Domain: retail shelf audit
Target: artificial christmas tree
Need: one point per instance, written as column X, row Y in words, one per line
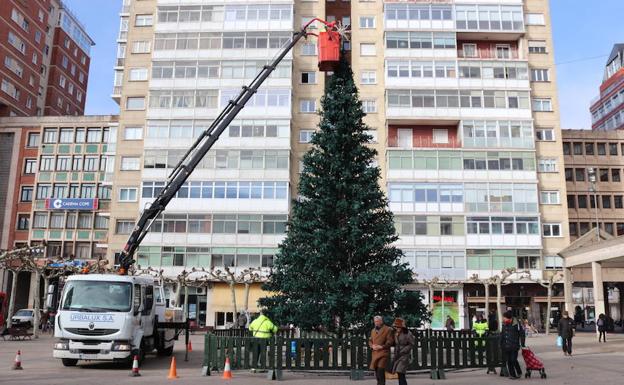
column 337, row 267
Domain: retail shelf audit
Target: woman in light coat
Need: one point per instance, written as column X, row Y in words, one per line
column 403, row 345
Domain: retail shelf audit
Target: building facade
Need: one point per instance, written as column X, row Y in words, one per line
column 461, row 100
column 608, row 108
column 594, row 163
column 59, row 182
column 45, row 59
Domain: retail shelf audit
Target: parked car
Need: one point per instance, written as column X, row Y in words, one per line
column 24, row 318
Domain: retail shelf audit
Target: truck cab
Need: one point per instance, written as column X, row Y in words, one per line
column 111, row 318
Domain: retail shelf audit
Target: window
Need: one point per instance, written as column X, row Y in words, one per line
column 30, row 166
column 133, row 133
column 440, row 136
column 308, row 77
column 582, row 201
column 137, row 74
column 10, row 89
column 589, row 149
column 550, row 197
column 17, row 42
column 128, row 194
column 14, row 66
column 369, row 106
column 553, row 262
column 606, row 201
column 367, row 49
column 62, row 81
column 23, row 221
column 537, row 46
column 26, row 194
column 547, row 165
column 569, row 175
column 539, row 75
column 33, row 139
column 141, row 46
column 604, row 174
column 618, row 202
column 577, row 148
column 579, row 174
column 602, row 148
column 143, row 20
column 551, row 230
column 535, row 19
column 469, row 50
column 613, row 149
column 305, row 136
column 615, row 175
column 542, row 104
column 368, row 77
column 308, row 49
column 65, row 62
column 135, row 103
column 94, row 135
column 124, row 226
column 545, row 134
column 367, row 21
column 307, row 105
column 130, row 163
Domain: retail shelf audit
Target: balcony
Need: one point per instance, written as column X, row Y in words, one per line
column 120, row 62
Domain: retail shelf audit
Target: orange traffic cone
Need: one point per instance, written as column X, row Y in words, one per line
column 135, row 367
column 227, row 371
column 173, row 371
column 190, row 346
column 17, row 365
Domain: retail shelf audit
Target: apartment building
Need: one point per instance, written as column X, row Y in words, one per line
column 58, row 188
column 45, row 59
column 608, row 108
column 461, row 100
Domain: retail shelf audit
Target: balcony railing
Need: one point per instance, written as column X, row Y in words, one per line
column 489, row 54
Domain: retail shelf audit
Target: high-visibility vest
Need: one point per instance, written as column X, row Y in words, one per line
column 262, row 327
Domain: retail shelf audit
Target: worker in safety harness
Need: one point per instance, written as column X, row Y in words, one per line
column 261, row 328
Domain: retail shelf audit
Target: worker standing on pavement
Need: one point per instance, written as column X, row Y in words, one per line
column 262, row 328
column 480, row 328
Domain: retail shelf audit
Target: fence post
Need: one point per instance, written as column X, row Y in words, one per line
column 356, row 372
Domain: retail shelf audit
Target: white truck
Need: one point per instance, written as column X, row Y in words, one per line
column 112, row 318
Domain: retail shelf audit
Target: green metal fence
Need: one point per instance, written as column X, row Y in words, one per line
column 431, row 352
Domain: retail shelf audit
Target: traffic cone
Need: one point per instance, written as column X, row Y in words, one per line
column 135, row 367
column 227, row 371
column 173, row 371
column 190, row 346
column 17, row 365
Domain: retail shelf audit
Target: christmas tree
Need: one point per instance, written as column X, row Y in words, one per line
column 337, row 267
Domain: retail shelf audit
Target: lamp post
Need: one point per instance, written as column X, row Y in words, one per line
column 591, row 172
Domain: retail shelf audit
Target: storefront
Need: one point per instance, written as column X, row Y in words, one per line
column 445, row 303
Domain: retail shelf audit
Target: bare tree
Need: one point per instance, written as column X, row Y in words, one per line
column 548, row 284
column 501, row 279
column 486, row 282
column 17, row 261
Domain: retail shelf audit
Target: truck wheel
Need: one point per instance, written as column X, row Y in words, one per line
column 69, row 361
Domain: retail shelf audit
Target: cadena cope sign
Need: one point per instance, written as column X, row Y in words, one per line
column 71, row 204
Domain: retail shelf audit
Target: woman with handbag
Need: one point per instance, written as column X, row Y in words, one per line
column 403, row 345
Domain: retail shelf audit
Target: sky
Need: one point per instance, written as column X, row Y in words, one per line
column 583, row 34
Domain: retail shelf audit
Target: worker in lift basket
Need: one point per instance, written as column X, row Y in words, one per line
column 262, row 329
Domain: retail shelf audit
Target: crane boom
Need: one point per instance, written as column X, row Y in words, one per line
column 194, row 155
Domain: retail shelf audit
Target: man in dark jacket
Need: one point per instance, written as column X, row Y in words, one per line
column 566, row 328
column 511, row 335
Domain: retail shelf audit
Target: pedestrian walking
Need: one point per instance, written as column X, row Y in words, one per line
column 602, row 328
column 511, row 335
column 381, row 339
column 403, row 345
column 450, row 324
column 565, row 329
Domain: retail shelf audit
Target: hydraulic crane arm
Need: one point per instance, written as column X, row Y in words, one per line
column 200, row 147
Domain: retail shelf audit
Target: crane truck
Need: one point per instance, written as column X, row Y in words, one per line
column 115, row 317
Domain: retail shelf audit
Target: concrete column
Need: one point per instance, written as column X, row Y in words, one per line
column 599, row 299
column 567, row 291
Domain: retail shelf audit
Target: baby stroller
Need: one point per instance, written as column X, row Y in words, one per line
column 532, row 363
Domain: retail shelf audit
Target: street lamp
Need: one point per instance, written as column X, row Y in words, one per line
column 591, row 172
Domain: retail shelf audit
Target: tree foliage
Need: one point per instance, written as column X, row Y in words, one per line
column 337, row 266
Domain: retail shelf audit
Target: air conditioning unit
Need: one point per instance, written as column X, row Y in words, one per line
column 200, row 290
